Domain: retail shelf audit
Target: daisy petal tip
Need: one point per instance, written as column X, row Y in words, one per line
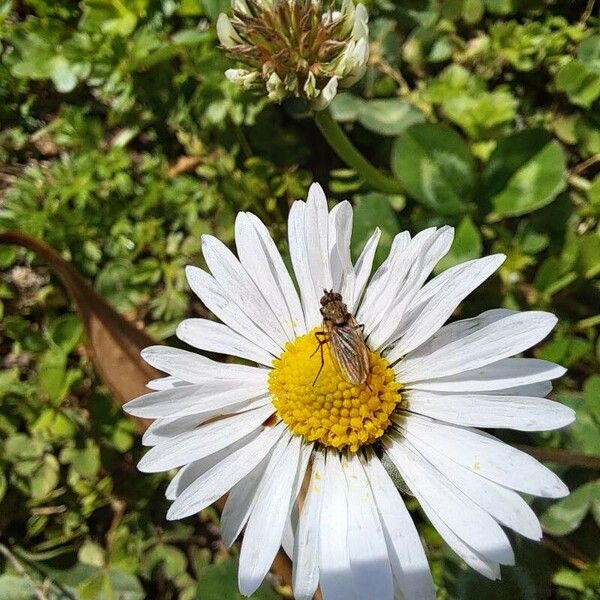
column 182, row 329
column 569, row 416
column 246, row 585
column 560, row 490
column 131, row 407
column 174, row 515
column 145, row 466
column 149, row 353
column 315, row 193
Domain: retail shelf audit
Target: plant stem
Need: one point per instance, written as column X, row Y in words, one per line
column 346, row 150
column 563, row 457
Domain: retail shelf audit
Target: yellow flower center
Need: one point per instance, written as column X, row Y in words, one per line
column 331, row 410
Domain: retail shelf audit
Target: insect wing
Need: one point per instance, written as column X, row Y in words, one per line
column 349, row 351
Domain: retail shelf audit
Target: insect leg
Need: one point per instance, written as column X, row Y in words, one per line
column 321, row 339
column 361, row 327
column 322, row 361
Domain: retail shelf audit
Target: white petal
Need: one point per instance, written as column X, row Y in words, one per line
column 371, row 571
column 228, row 36
column 523, row 413
column 340, row 232
column 281, row 274
column 209, row 398
column 258, row 265
column 217, row 337
column 538, row 390
column 163, row 429
column 488, row 568
column 287, row 541
column 299, row 255
column 242, row 497
column 196, row 368
column 505, row 374
column 362, row 269
column 504, row 505
column 306, row 542
column 317, row 238
column 459, row 329
column 264, row 530
column 483, row 346
column 327, row 95
column 203, row 441
column 407, row 557
column 415, row 265
column 433, row 313
column 334, row 558
column 381, row 282
column 487, row 456
column 239, row 286
column 164, row 383
column 227, row 310
column 401, row 276
column 467, row 520
column 194, row 470
column 218, row 480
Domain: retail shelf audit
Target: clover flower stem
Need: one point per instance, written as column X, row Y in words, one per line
column 345, row 149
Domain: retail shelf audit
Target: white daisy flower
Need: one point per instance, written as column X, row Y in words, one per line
column 257, row 431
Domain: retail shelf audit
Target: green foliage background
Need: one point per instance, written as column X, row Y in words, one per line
column 121, row 142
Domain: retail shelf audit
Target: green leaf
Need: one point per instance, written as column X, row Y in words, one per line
column 384, row 116
column 62, row 74
column 3, row 485
column 584, row 434
column 525, row 172
column 346, row 107
column 51, row 374
column 481, row 113
column 374, row 210
column 389, row 117
column 569, row 579
column 91, row 553
column 21, row 447
column 564, row 350
column 214, row 7
column 66, row 331
column 8, row 254
column 169, row 558
column 591, row 393
column 581, row 85
column 589, row 255
column 596, row 503
column 13, row 587
column 588, row 52
column 435, row 166
column 219, row 582
column 466, row 246
column 111, row 584
column 45, row 477
column 566, row 516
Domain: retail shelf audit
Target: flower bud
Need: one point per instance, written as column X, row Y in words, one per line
column 296, row 48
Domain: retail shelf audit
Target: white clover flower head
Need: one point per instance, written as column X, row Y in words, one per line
column 304, row 44
column 257, row 430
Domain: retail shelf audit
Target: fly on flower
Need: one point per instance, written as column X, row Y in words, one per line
column 345, row 338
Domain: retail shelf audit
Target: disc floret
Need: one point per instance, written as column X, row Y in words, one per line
column 330, row 410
